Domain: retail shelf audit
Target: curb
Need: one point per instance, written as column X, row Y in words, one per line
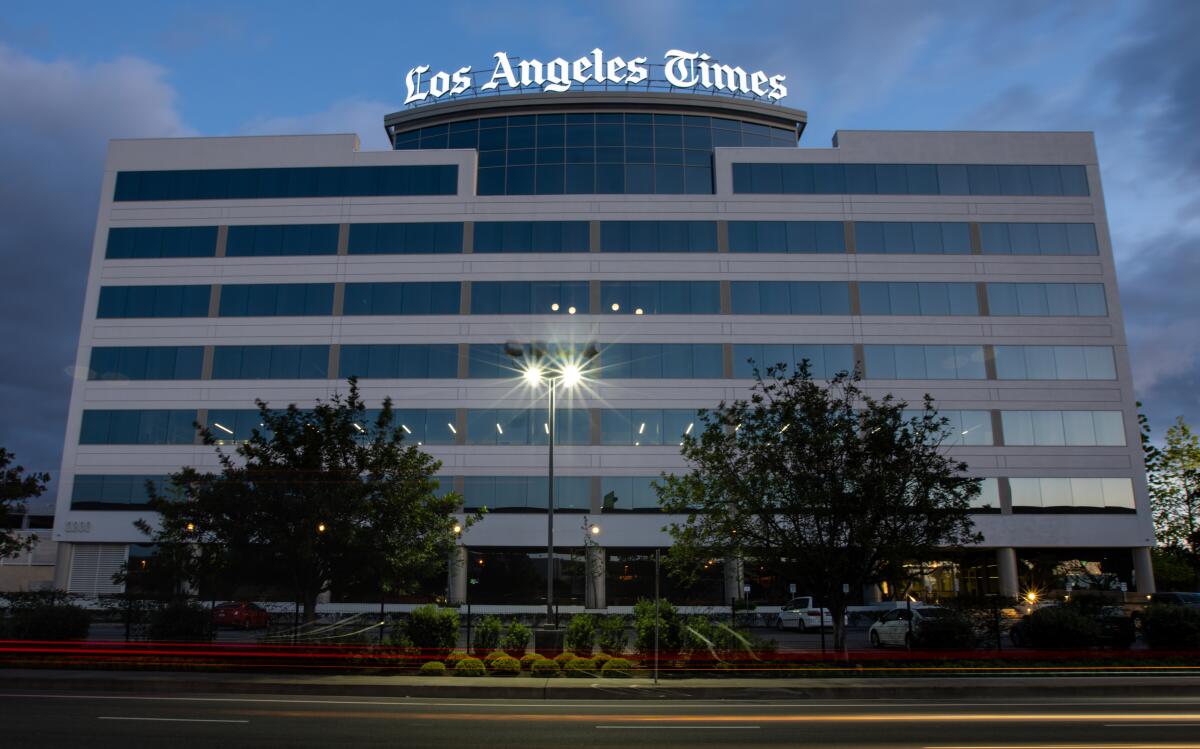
column 603, row 689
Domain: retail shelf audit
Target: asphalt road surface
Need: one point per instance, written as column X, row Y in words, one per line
column 230, row 720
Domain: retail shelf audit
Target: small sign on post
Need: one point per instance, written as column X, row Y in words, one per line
column 792, row 588
column 845, row 587
column 1124, row 588
column 745, row 588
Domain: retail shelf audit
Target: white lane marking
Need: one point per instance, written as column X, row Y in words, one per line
column 169, row 720
column 608, row 704
column 676, row 728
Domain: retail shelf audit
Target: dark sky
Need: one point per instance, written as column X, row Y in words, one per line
column 73, row 75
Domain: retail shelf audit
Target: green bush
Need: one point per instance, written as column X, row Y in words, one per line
column 610, row 634
column 48, row 622
column 617, row 668
column 1060, row 627
column 452, row 660
column 505, row 665
column 469, row 667
column 433, row 668
column 527, row 661
column 1171, row 628
column 183, row 621
column 669, row 628
column 432, row 630
column 581, row 668
column 494, row 656
column 545, row 667
column 487, row 635
column 516, row 639
column 601, row 659
column 581, row 633
column 564, row 657
column 953, row 631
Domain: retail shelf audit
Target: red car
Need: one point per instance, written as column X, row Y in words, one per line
column 243, row 615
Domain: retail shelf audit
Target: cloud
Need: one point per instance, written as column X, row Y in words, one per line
column 55, row 123
column 358, row 115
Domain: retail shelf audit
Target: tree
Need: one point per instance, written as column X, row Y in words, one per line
column 824, row 484
column 326, row 494
column 16, row 486
column 1173, row 473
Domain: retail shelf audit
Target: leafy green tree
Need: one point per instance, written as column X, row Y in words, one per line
column 828, row 486
column 326, row 494
column 1173, row 474
column 16, row 486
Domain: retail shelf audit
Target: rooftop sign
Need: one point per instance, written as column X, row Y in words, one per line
column 695, row 71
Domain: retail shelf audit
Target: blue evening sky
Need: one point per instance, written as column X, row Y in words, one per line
column 74, row 74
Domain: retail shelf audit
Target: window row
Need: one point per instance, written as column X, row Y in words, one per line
column 616, row 297
column 115, row 491
column 1066, row 495
column 910, row 179
column 1069, row 428
column 145, row 243
column 517, row 493
column 893, row 237
column 1038, row 239
column 287, row 182
column 1055, row 363
column 285, row 239
column 1047, row 299
column 138, row 427
column 614, row 361
column 146, row 363
column 597, row 179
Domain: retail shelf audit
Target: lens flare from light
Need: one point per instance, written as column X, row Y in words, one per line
column 532, row 375
column 571, row 375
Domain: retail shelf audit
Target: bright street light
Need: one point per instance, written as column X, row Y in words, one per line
column 533, row 375
column 571, row 375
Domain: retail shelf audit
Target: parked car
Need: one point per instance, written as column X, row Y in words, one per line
column 1116, row 629
column 243, row 615
column 1190, row 600
column 893, row 628
column 802, row 615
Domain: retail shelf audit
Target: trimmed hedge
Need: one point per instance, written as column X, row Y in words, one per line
column 581, row 633
column 516, row 639
column 493, row 656
column 580, row 668
column 469, row 667
column 452, row 660
column 527, row 661
column 433, row 668
column 601, row 659
column 433, row 630
column 1061, row 627
column 505, row 665
column 617, row 668
column 545, row 667
column 62, row 622
column 1171, row 627
column 610, row 634
column 565, row 657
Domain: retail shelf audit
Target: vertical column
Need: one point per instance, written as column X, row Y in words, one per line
column 734, row 578
column 343, row 239
column 593, row 236
column 458, row 576
column 62, row 565
column 723, row 237
column 222, row 240
column 595, row 594
column 1006, row 567
column 872, row 594
column 468, row 245
column 1143, row 570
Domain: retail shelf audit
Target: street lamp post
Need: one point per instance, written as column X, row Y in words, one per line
column 569, row 374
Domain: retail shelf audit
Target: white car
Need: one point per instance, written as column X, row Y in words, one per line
column 902, row 626
column 802, row 615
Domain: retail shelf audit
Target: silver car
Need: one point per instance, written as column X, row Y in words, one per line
column 902, row 626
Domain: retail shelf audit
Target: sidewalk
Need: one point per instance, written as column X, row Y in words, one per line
column 528, row 688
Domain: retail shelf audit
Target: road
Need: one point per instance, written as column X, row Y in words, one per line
column 99, row 721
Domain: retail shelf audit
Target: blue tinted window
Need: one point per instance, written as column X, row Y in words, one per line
column 267, row 300
column 660, row 297
column 270, row 362
column 1038, row 239
column 629, row 494
column 909, row 179
column 661, row 360
column 131, row 427
column 916, row 362
column 790, row 297
column 146, row 363
column 115, row 491
column 294, row 182
column 531, row 236
column 286, row 239
column 506, row 426
column 399, row 361
column 415, row 298
column 431, row 237
column 529, row 297
column 658, row 236
column 646, row 427
column 1040, row 299
column 524, row 493
column 907, row 298
column 153, row 301
column 787, row 236
column 824, row 360
column 901, row 237
column 156, row 242
column 1055, row 363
